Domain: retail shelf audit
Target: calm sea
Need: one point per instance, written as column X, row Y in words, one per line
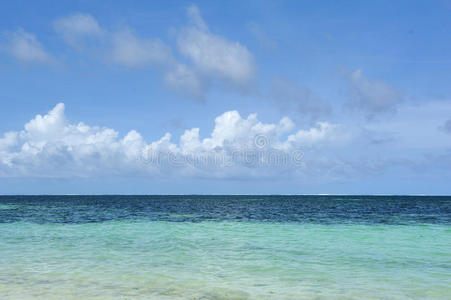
column 225, row 247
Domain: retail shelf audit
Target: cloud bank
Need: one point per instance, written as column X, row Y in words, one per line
column 238, row 147
column 50, row 146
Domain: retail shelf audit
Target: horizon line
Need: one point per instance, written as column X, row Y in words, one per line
column 372, row 195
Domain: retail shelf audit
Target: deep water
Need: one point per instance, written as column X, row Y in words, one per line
column 193, row 208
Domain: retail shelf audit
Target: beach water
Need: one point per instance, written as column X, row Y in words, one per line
column 225, row 247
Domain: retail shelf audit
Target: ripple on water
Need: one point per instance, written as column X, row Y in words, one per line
column 224, row 247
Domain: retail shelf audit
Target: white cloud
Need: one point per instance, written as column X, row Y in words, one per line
column 213, row 59
column 323, row 132
column 231, row 130
column 25, row 47
column 213, row 55
column 237, row 147
column 184, row 80
column 124, row 47
column 131, row 51
column 195, row 18
column 374, row 97
column 76, row 27
column 50, row 146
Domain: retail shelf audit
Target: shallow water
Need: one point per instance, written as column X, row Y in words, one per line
column 219, row 247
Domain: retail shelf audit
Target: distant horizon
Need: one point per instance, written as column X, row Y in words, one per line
column 365, row 195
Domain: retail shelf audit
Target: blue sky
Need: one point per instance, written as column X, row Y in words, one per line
column 348, row 96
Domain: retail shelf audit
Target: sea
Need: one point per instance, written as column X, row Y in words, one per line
column 225, row 247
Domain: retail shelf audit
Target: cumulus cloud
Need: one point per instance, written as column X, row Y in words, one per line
column 76, row 27
column 50, row 146
column 291, row 97
column 374, row 97
column 323, row 132
column 215, row 56
column 26, row 48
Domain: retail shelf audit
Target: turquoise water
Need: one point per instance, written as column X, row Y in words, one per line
column 162, row 254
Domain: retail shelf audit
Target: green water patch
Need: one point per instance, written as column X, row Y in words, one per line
column 224, row 260
column 9, row 206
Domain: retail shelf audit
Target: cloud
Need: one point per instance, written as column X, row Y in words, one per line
column 125, row 47
column 211, row 59
column 195, row 18
column 290, row 96
column 130, row 51
column 184, row 80
column 206, row 59
column 446, row 127
column 215, row 56
column 76, row 27
column 373, row 97
column 25, row 48
column 50, row 146
column 238, row 147
column 323, row 132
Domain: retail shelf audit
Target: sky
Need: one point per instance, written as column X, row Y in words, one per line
column 231, row 97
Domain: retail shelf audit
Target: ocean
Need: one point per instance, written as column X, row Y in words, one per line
column 225, row 247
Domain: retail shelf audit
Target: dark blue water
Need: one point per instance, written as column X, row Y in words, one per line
column 194, row 208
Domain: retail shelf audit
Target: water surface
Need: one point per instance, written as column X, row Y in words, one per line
column 225, row 247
